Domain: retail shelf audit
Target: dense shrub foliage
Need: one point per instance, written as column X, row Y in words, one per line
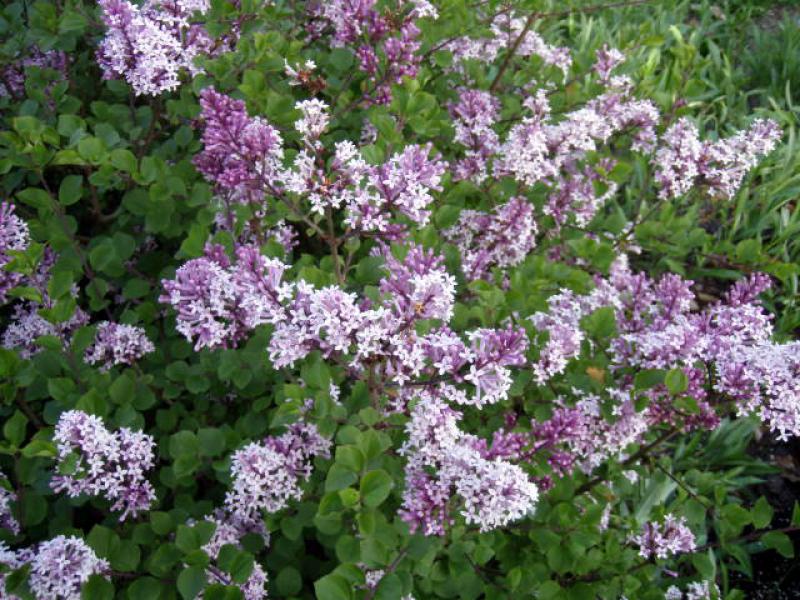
column 384, row 299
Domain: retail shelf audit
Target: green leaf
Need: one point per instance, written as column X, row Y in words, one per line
column 33, row 508
column 38, row 199
column 375, row 487
column 191, row 582
column 70, row 190
column 676, row 381
column 779, row 541
column 145, row 588
column 97, row 588
column 212, row 442
column 184, row 443
column 161, row 522
column 288, row 582
column 14, row 428
column 762, row 513
column 648, row 378
column 123, row 160
column 333, row 587
column 125, row 557
column 339, row 477
column 389, row 587
column 350, row 457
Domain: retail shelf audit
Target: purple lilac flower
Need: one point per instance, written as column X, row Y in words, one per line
column 12, row 76
column 607, row 59
column 418, row 287
column 112, row 464
column 575, row 198
column 267, row 475
column 242, row 155
column 474, row 116
column 505, row 29
column 27, row 325
column 218, row 302
column 60, row 566
column 229, row 530
column 7, row 519
column 502, row 238
column 153, row 45
column 658, row 328
column 116, row 344
column 14, row 237
column 405, row 182
column 314, row 121
column 494, row 350
column 661, row 540
column 442, row 461
column 683, row 162
column 537, row 149
column 359, row 25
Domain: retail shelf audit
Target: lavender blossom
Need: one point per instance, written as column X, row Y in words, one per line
column 607, row 60
column 474, row 116
column 27, row 325
column 267, row 475
column 502, row 238
column 153, row 45
column 505, row 30
column 405, row 182
column 60, row 567
column 13, row 75
column 229, row 531
column 442, row 461
column 7, row 519
column 683, row 162
column 14, row 237
column 116, row 344
column 112, row 464
column 661, row 540
column 218, row 302
column 241, row 155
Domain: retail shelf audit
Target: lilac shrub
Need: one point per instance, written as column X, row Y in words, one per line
column 384, row 299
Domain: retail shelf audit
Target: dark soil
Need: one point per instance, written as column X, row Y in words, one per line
column 774, row 576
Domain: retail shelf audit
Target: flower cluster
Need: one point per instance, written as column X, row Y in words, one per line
column 12, row 76
column 501, row 238
column 267, row 475
column 697, row 590
column 7, row 519
column 14, row 237
column 361, row 26
column 442, row 460
column 229, row 531
column 93, row 460
column 657, row 329
column 241, row 154
column 683, row 162
column 540, row 149
column 243, row 157
column 58, row 567
column 152, row 45
column 505, row 30
column 661, row 540
column 474, row 116
column 27, row 324
column 116, row 344
column 218, row 302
